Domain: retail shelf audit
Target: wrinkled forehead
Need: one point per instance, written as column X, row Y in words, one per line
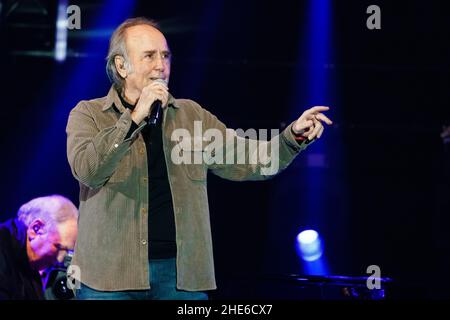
column 144, row 38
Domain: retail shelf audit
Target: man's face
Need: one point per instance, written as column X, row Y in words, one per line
column 50, row 246
column 149, row 56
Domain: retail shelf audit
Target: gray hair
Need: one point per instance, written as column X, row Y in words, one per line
column 53, row 210
column 117, row 47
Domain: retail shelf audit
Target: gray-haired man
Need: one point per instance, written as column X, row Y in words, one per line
column 144, row 218
column 44, row 230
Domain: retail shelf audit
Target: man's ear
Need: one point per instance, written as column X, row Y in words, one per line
column 36, row 228
column 119, row 62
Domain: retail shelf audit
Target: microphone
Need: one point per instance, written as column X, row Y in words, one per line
column 155, row 112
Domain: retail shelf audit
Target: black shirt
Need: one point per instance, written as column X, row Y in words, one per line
column 17, row 280
column 161, row 223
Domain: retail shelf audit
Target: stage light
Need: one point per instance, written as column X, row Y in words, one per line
column 309, row 245
column 61, row 32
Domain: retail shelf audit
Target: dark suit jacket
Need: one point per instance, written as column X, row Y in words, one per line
column 17, row 280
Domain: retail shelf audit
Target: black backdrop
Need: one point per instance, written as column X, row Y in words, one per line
column 386, row 198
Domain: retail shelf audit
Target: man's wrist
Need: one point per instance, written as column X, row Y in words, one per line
column 298, row 136
column 136, row 118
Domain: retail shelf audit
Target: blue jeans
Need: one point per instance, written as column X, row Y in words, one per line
column 163, row 287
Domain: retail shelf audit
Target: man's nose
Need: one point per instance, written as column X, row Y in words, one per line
column 159, row 63
column 61, row 256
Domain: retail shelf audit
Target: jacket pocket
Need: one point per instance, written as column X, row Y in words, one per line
column 197, row 172
column 194, row 165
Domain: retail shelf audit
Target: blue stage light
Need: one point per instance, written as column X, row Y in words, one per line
column 309, row 245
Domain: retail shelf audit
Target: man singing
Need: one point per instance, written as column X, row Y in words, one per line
column 144, row 228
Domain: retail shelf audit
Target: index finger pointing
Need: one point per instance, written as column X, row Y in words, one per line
column 317, row 109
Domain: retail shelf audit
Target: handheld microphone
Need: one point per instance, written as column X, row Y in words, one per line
column 155, row 112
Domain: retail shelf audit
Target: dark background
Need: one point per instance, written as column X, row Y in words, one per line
column 384, row 192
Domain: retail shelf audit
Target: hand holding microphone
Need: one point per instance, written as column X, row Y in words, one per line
column 153, row 97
